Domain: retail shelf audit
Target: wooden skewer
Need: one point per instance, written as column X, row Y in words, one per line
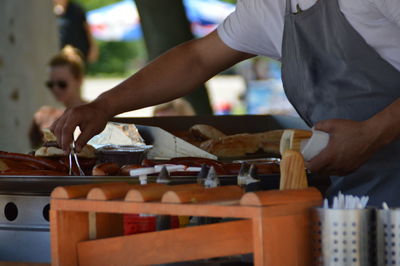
column 151, row 193
column 293, row 173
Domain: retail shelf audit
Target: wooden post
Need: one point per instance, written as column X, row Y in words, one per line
column 282, row 240
column 68, row 228
column 28, row 39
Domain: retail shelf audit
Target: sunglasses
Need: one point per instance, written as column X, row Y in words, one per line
column 62, row 84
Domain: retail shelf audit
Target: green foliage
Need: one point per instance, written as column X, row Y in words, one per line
column 118, row 58
column 93, row 4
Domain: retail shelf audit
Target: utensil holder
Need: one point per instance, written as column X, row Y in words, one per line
column 344, row 237
column 388, row 237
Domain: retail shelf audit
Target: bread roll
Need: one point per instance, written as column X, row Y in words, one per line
column 205, row 132
column 270, row 141
column 87, row 151
column 50, row 147
column 243, row 144
column 232, row 146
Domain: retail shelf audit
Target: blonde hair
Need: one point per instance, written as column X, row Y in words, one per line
column 180, row 106
column 71, row 57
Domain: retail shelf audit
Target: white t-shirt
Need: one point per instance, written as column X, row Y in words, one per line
column 256, row 27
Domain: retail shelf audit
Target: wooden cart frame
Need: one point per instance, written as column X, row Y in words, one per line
column 273, row 225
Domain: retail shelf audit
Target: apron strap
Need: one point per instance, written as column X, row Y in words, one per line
column 288, row 7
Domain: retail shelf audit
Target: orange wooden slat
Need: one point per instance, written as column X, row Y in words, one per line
column 208, row 241
column 207, row 210
column 277, row 197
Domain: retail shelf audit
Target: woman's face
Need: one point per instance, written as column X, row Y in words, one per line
column 64, row 86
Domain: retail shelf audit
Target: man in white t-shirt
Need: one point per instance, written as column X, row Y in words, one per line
column 340, row 68
column 256, row 27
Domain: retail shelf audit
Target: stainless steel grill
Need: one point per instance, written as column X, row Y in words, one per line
column 24, row 205
column 24, row 228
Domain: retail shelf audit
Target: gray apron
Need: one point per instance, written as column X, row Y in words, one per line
column 328, row 72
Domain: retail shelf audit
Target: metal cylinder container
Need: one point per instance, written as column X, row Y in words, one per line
column 388, row 237
column 344, row 237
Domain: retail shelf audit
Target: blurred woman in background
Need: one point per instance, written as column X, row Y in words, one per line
column 66, row 74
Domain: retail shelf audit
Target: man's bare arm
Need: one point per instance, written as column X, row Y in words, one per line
column 172, row 75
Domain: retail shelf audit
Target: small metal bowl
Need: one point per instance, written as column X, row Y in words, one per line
column 122, row 155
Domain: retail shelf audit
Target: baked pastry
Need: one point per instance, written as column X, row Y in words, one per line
column 205, row 132
column 243, row 144
column 270, row 141
column 232, row 146
column 50, row 147
column 87, row 151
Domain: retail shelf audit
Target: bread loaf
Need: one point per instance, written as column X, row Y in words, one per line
column 243, row 144
column 270, row 141
column 232, row 146
column 205, row 132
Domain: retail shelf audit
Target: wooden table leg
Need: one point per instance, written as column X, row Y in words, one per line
column 67, row 229
column 282, row 240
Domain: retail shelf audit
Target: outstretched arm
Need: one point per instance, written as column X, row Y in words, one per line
column 172, row 75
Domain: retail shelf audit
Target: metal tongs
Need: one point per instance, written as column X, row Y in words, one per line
column 73, row 154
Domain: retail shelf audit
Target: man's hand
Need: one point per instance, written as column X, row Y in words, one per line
column 91, row 120
column 350, row 145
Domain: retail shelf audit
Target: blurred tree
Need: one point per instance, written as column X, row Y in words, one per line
column 118, row 58
column 165, row 25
